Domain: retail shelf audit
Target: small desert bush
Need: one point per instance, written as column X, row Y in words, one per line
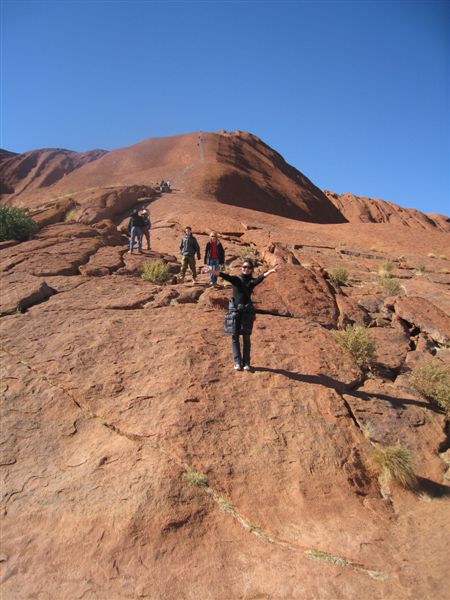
column 432, row 381
column 196, row 479
column 431, row 255
column 339, row 275
column 156, row 272
column 442, row 256
column 16, row 224
column 394, row 462
column 357, row 340
column 249, row 253
column 421, row 268
column 390, row 285
column 71, row 216
column 385, row 268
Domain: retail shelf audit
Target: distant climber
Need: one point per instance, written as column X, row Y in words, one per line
column 188, row 249
column 241, row 314
column 164, row 186
column 136, row 228
column 147, row 226
column 214, row 256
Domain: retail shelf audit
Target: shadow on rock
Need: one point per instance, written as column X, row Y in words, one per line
column 431, row 488
column 314, row 379
column 395, row 402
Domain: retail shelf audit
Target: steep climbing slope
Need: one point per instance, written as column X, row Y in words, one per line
column 231, row 168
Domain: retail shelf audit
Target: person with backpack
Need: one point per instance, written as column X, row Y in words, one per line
column 241, row 314
column 214, row 256
column 136, row 228
column 147, row 226
column 188, row 249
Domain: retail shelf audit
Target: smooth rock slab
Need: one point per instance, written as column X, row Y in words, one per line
column 294, row 291
column 426, row 316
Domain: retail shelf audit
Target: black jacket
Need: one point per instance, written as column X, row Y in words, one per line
column 220, row 253
column 135, row 221
column 243, row 286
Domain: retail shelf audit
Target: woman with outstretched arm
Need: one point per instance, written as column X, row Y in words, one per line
column 241, row 315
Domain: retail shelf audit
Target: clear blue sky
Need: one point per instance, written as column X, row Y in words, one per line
column 353, row 94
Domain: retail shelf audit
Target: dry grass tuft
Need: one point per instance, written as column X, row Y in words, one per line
column 421, row 268
column 339, row 275
column 71, row 216
column 385, row 268
column 249, row 253
column 432, row 381
column 390, row 285
column 196, row 479
column 155, row 272
column 394, row 462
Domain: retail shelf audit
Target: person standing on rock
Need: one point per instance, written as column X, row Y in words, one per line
column 214, row 256
column 136, row 228
column 147, row 226
column 241, row 314
column 188, row 249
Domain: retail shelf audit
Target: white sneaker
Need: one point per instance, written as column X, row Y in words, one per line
column 247, row 368
column 237, row 367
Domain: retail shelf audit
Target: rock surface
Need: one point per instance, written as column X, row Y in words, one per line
column 136, row 463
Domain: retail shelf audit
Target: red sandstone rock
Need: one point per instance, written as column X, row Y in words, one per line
column 426, row 316
column 297, row 292
column 113, row 387
column 20, row 291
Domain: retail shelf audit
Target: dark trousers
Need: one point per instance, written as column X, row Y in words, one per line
column 236, row 346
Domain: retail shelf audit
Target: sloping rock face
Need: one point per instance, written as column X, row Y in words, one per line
column 136, row 463
column 372, row 210
column 40, row 168
column 232, row 168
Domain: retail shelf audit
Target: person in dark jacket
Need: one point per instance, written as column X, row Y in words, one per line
column 147, row 226
column 136, row 228
column 214, row 256
column 242, row 311
column 188, row 249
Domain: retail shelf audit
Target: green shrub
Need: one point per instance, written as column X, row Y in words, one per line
column 432, row 381
column 196, row 479
column 156, row 272
column 16, row 224
column 421, row 268
column 339, row 275
column 394, row 462
column 390, row 285
column 357, row 340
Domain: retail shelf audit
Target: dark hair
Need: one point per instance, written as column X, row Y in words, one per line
column 187, row 227
column 248, row 262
